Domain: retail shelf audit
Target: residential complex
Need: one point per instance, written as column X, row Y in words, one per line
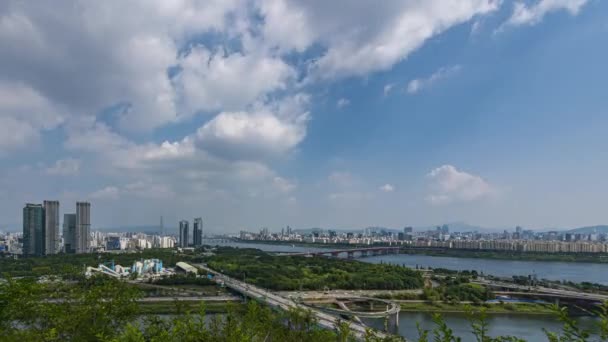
column 519, row 241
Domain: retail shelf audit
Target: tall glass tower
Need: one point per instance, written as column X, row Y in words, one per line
column 33, row 229
column 197, row 232
column 51, row 227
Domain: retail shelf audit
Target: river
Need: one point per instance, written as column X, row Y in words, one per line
column 553, row 270
column 527, row 327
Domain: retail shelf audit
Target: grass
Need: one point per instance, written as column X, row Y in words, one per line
column 507, row 308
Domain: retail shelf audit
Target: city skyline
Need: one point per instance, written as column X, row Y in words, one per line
column 481, row 111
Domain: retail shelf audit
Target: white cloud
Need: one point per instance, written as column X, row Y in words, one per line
column 342, row 103
column 64, row 167
column 450, row 185
column 215, row 81
column 107, row 193
column 267, row 131
column 342, row 179
column 524, row 14
column 24, row 112
column 387, row 188
column 418, row 84
column 283, row 185
column 388, row 88
column 371, row 36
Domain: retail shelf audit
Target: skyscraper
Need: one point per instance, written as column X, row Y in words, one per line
column 82, row 234
column 51, row 227
column 33, row 229
column 197, row 232
column 183, row 233
column 69, row 231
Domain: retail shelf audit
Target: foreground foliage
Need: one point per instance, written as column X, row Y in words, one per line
column 106, row 310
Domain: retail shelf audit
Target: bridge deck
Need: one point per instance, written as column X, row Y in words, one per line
column 325, row 320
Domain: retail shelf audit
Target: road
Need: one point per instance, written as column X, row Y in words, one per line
column 545, row 290
column 325, row 320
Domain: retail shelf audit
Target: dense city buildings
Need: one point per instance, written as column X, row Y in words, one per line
column 51, row 227
column 33, row 229
column 197, row 232
column 183, row 233
column 520, row 241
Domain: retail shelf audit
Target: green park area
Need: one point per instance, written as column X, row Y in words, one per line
column 284, row 273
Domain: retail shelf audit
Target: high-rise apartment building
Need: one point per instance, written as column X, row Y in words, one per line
column 69, row 232
column 197, row 232
column 51, row 227
column 33, row 229
column 82, row 234
column 183, row 233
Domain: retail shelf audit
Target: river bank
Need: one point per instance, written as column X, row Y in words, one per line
column 600, row 258
column 506, row 308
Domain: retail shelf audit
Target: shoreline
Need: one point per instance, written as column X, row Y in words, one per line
column 458, row 253
column 493, row 309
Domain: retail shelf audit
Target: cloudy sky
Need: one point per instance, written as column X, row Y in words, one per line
column 308, row 113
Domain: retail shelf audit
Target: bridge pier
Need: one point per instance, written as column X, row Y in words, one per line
column 335, row 254
column 351, row 255
column 363, row 253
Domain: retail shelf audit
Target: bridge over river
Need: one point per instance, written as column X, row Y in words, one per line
column 274, row 300
column 350, row 252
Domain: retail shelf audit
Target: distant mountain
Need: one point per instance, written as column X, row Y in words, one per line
column 600, row 229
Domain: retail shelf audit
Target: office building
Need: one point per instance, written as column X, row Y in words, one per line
column 51, row 227
column 33, row 229
column 69, row 232
column 183, row 233
column 82, row 234
column 197, row 232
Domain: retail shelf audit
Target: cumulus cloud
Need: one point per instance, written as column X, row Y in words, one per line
column 418, row 84
column 208, row 80
column 260, row 133
column 524, row 14
column 24, row 113
column 342, row 103
column 343, row 179
column 388, row 88
column 373, row 36
column 107, row 193
column 451, row 185
column 64, row 167
column 387, row 188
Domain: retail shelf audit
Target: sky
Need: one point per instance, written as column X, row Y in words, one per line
column 336, row 114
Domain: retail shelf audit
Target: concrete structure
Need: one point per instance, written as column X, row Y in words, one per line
column 186, row 268
column 325, row 320
column 363, row 252
column 197, row 232
column 69, row 232
column 82, row 234
column 33, row 229
column 51, row 227
column 183, row 233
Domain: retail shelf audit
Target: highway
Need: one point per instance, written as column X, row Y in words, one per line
column 539, row 290
column 325, row 320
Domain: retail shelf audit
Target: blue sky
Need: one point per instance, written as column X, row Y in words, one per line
column 256, row 113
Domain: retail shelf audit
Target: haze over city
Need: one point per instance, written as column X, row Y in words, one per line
column 392, row 113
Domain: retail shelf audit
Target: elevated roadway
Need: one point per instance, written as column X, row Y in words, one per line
column 273, row 300
column 540, row 291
